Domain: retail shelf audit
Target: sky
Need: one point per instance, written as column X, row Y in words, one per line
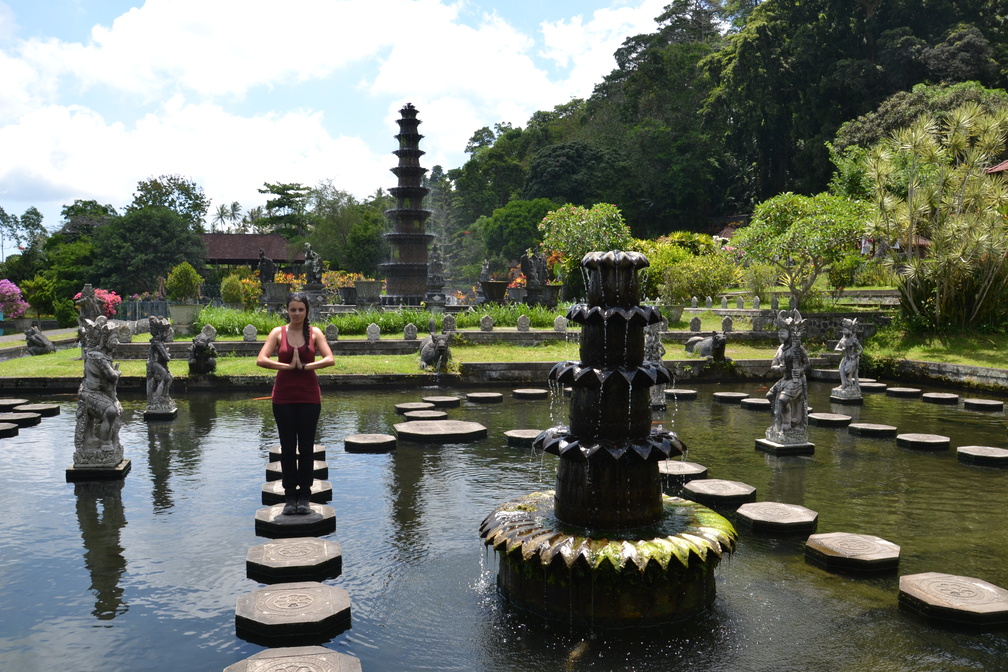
column 97, row 95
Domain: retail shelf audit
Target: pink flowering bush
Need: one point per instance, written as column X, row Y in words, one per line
column 109, row 300
column 12, row 304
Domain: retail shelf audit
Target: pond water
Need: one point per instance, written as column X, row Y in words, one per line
column 144, row 574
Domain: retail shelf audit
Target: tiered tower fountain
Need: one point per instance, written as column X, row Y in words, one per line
column 406, row 271
column 607, row 548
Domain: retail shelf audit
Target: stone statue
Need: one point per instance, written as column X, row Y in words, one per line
column 485, row 271
column 533, row 266
column 267, row 269
column 99, row 413
column 435, row 268
column 37, row 343
column 88, row 308
column 654, row 353
column 202, row 355
column 789, row 395
column 159, row 378
column 435, row 353
column 850, row 386
column 712, row 346
column 313, row 266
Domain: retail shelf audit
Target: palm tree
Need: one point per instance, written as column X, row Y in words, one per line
column 221, row 216
column 235, row 213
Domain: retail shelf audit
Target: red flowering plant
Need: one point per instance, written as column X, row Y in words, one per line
column 12, row 304
column 109, row 300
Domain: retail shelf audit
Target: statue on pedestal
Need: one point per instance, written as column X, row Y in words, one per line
column 159, row 378
column 202, row 353
column 37, row 343
column 99, row 413
column 313, row 266
column 850, row 385
column 789, row 395
column 267, row 269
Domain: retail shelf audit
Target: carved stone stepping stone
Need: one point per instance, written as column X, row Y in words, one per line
column 21, row 419
column 871, row 429
column 716, row 492
column 987, row 456
column 485, row 397
column 778, row 518
column 994, row 405
column 432, row 414
column 273, row 492
column 829, row 419
column 904, row 392
column 756, row 404
column 676, row 473
column 439, row 431
column 680, row 394
column 8, row 404
column 940, row 398
column 295, row 559
column 272, row 523
column 774, row 448
column 730, row 397
column 444, row 401
column 8, row 429
column 923, row 441
column 318, row 453
column 413, row 406
column 530, row 394
column 872, row 388
column 45, row 410
column 955, row 600
column 369, row 443
column 300, row 612
column 308, row 658
column 320, row 470
column 843, row 551
column 521, row 437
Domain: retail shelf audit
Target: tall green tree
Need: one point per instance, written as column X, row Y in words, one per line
column 286, row 209
column 175, row 192
column 513, row 229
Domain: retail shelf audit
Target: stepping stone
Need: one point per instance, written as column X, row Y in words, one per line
column 715, row 492
column 676, row 473
column 369, row 443
column 730, row 397
column 295, row 559
column 485, row 397
column 7, row 430
column 983, row 405
column 320, row 470
column 21, row 419
column 846, row 401
column 8, row 404
column 297, row 658
column 955, row 600
column 905, row 392
column 843, row 551
column 829, row 419
column 940, row 398
column 871, row 429
column 680, row 394
column 45, row 410
column 923, row 441
column 413, row 406
column 318, row 453
column 530, row 394
column 270, row 522
column 273, row 492
column 300, row 612
column 444, row 401
column 987, row 456
column 831, row 375
column 157, row 415
column 439, row 431
column 521, row 437
column 872, row 388
column 425, row 415
column 778, row 518
column 867, row 380
column 774, row 448
column 756, row 404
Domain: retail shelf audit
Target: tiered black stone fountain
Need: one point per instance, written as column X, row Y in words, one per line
column 607, row 548
column 406, row 272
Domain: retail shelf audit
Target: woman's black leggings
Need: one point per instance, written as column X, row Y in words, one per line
column 296, row 424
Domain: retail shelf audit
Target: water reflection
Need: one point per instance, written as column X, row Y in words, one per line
column 101, row 518
column 159, row 454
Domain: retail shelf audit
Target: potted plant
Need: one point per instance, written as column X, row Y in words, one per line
column 368, row 291
column 183, row 285
column 344, row 283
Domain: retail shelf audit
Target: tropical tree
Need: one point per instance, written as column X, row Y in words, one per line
column 573, row 231
column 234, row 213
column 176, row 193
column 221, row 216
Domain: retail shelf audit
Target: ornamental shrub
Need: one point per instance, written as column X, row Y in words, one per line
column 12, row 304
column 183, row 283
column 108, row 299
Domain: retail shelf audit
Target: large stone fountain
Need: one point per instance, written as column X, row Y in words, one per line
column 608, row 548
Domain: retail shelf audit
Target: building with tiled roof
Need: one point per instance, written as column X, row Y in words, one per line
column 242, row 249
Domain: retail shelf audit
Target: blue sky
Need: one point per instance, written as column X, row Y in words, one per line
column 96, row 95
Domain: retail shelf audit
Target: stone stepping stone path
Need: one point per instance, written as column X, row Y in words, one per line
column 320, row 470
column 8, row 429
column 318, row 452
column 872, row 387
column 295, row 559
column 778, row 518
column 369, row 443
column 829, row 419
column 439, row 431
column 904, row 392
column 21, row 419
column 954, row 600
column 299, row 612
column 426, row 415
column 530, row 394
column 8, row 404
column 308, row 658
column 715, row 492
column 271, row 523
column 680, row 394
column 273, row 492
column 485, row 397
column 923, row 441
column 730, row 397
column 872, row 429
column 413, row 406
column 521, row 437
column 45, row 410
column 987, row 456
column 989, row 405
column 940, row 398
column 843, row 551
column 756, row 404
column 677, row 473
column 443, row 401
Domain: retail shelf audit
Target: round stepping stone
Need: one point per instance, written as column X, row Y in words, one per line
column 7, row 403
column 940, row 398
column 297, row 658
column 680, row 394
column 923, row 441
column 296, row 559
column 867, row 380
column 872, row 388
column 273, row 492
column 439, row 431
column 413, row 406
column 987, row 456
column 320, row 470
column 425, row 415
column 717, row 492
column 21, row 419
column 270, row 522
column 299, row 612
column 530, row 394
column 730, row 397
column 983, row 405
column 871, row 429
column 756, row 404
column 45, row 410
column 318, row 452
column 485, row 397
column 954, row 599
column 521, row 437
column 444, row 401
column 369, row 443
column 843, row 551
column 905, row 392
column 829, row 419
column 7, row 430
column 775, row 517
column 676, row 473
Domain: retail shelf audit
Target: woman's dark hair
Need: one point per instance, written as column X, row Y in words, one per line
column 301, row 297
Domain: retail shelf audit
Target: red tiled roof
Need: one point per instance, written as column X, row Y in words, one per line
column 241, row 248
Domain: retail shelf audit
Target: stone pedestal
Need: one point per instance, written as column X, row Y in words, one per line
column 86, row 472
column 775, row 448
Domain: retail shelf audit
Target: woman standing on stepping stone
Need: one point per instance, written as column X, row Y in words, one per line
column 297, row 398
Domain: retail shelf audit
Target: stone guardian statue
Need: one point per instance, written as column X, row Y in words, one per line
column 160, row 405
column 99, row 413
column 850, row 385
column 789, row 395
